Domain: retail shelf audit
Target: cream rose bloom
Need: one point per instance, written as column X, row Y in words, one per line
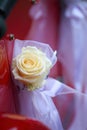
column 31, row 67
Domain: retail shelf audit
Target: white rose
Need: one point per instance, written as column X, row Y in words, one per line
column 31, row 67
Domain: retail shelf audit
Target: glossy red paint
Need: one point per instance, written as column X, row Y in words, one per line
column 17, row 122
